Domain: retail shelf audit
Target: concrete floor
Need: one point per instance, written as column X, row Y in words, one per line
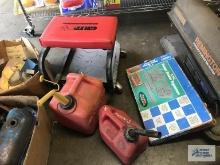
column 139, row 35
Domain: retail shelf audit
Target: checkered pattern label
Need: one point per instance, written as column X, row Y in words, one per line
column 169, row 120
column 164, row 108
column 184, row 100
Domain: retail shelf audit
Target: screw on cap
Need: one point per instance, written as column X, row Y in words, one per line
column 130, row 135
column 70, row 104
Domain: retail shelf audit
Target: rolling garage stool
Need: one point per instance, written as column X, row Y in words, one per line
column 81, row 35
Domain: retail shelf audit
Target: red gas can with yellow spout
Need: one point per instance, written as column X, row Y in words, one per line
column 122, row 134
column 86, row 95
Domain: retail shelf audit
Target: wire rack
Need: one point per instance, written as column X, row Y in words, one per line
column 126, row 6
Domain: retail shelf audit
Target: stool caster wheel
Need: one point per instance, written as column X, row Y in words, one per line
column 123, row 54
column 29, row 30
column 118, row 88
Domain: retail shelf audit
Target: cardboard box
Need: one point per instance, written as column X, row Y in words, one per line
column 39, row 146
column 13, row 47
column 38, row 149
column 166, row 99
column 39, row 6
column 112, row 4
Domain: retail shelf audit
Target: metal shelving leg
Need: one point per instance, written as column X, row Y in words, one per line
column 29, row 29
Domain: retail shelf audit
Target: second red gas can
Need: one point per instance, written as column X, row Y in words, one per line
column 86, row 95
column 122, row 134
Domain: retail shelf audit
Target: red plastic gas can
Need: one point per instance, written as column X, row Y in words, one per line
column 113, row 125
column 88, row 95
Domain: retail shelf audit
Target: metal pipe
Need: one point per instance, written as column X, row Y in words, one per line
column 27, row 17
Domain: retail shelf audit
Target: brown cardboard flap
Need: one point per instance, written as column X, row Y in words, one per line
column 3, row 56
column 31, row 87
column 39, row 147
column 30, row 50
column 18, row 101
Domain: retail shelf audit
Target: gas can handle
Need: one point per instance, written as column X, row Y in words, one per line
column 42, row 79
column 111, row 116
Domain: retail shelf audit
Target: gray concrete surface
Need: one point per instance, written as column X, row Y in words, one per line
column 139, row 35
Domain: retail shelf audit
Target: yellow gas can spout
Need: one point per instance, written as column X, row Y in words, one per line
column 66, row 102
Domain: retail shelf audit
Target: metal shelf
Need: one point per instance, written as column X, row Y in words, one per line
column 127, row 6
